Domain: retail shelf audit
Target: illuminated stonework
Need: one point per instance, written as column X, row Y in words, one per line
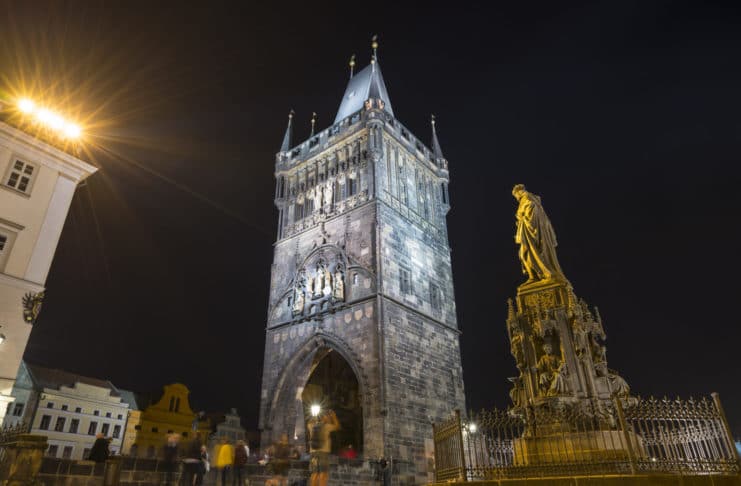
column 362, row 285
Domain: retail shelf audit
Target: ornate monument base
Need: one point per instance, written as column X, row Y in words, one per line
column 583, row 447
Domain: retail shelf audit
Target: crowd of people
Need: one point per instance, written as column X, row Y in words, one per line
column 228, row 460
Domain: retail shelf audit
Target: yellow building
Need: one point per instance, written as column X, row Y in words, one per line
column 148, row 427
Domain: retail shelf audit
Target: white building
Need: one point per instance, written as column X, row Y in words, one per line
column 69, row 409
column 38, row 177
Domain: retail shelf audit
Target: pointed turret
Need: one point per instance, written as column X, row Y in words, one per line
column 436, row 150
column 287, row 138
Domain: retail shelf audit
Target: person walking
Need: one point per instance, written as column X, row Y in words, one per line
column 170, row 457
column 241, row 453
column 192, row 461
column 320, row 444
column 99, row 452
column 204, row 466
column 224, row 456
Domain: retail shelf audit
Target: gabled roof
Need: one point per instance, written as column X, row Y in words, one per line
column 368, row 83
column 55, row 379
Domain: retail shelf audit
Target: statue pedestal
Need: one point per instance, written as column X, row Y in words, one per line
column 574, row 447
column 543, row 294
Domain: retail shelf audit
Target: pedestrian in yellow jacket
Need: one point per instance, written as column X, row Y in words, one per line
column 224, row 459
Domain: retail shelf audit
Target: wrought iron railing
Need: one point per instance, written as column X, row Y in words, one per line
column 626, row 437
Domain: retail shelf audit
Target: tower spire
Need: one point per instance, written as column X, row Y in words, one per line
column 313, row 123
column 374, row 46
column 286, row 146
column 352, row 65
column 438, row 152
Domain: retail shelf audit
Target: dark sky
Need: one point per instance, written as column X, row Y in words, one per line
column 623, row 116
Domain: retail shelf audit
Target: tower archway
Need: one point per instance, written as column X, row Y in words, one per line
column 314, row 366
column 333, row 385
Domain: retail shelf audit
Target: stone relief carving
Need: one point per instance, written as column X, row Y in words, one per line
column 32, row 306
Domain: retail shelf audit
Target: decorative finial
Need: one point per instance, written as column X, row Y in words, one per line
column 313, row 123
column 436, row 150
column 374, row 46
column 352, row 65
column 287, row 138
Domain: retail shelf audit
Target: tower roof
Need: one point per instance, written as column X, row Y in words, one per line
column 367, row 83
column 287, row 138
column 437, row 151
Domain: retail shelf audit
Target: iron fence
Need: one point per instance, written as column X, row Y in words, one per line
column 635, row 436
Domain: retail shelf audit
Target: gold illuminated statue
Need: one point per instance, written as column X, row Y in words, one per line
column 536, row 238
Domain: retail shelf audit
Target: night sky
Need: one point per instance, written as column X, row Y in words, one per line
column 624, row 116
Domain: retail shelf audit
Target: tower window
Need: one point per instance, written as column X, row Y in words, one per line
column 405, row 280
column 434, row 297
column 20, row 176
column 52, row 451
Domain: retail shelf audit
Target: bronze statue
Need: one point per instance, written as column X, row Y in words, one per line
column 536, row 238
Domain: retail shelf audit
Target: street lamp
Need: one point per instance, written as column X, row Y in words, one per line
column 64, row 128
column 2, row 338
column 315, row 409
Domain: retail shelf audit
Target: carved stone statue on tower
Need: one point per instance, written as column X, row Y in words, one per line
column 536, row 238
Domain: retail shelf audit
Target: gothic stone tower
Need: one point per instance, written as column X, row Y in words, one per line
column 362, row 314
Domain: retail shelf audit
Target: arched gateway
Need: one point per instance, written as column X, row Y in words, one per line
column 321, row 373
column 362, row 312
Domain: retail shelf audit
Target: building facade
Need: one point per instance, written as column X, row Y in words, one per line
column 69, row 409
column 228, row 426
column 38, row 181
column 171, row 414
column 362, row 313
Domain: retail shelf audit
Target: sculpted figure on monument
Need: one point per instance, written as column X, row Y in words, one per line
column 298, row 297
column 339, row 284
column 328, row 194
column 548, row 368
column 318, row 289
column 536, row 238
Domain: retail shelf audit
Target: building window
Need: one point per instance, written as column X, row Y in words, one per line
column 59, row 426
column 155, row 429
column 150, row 451
column 434, row 297
column 21, row 176
column 45, row 421
column 172, row 399
column 73, row 425
column 64, row 407
column 92, row 428
column 116, row 431
column 108, row 414
column 86, row 453
column 96, row 413
column 137, row 427
column 104, row 429
column 67, row 452
column 78, row 410
column 405, row 280
column 177, row 405
column 120, row 417
column 52, row 450
column 50, row 405
column 18, row 409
